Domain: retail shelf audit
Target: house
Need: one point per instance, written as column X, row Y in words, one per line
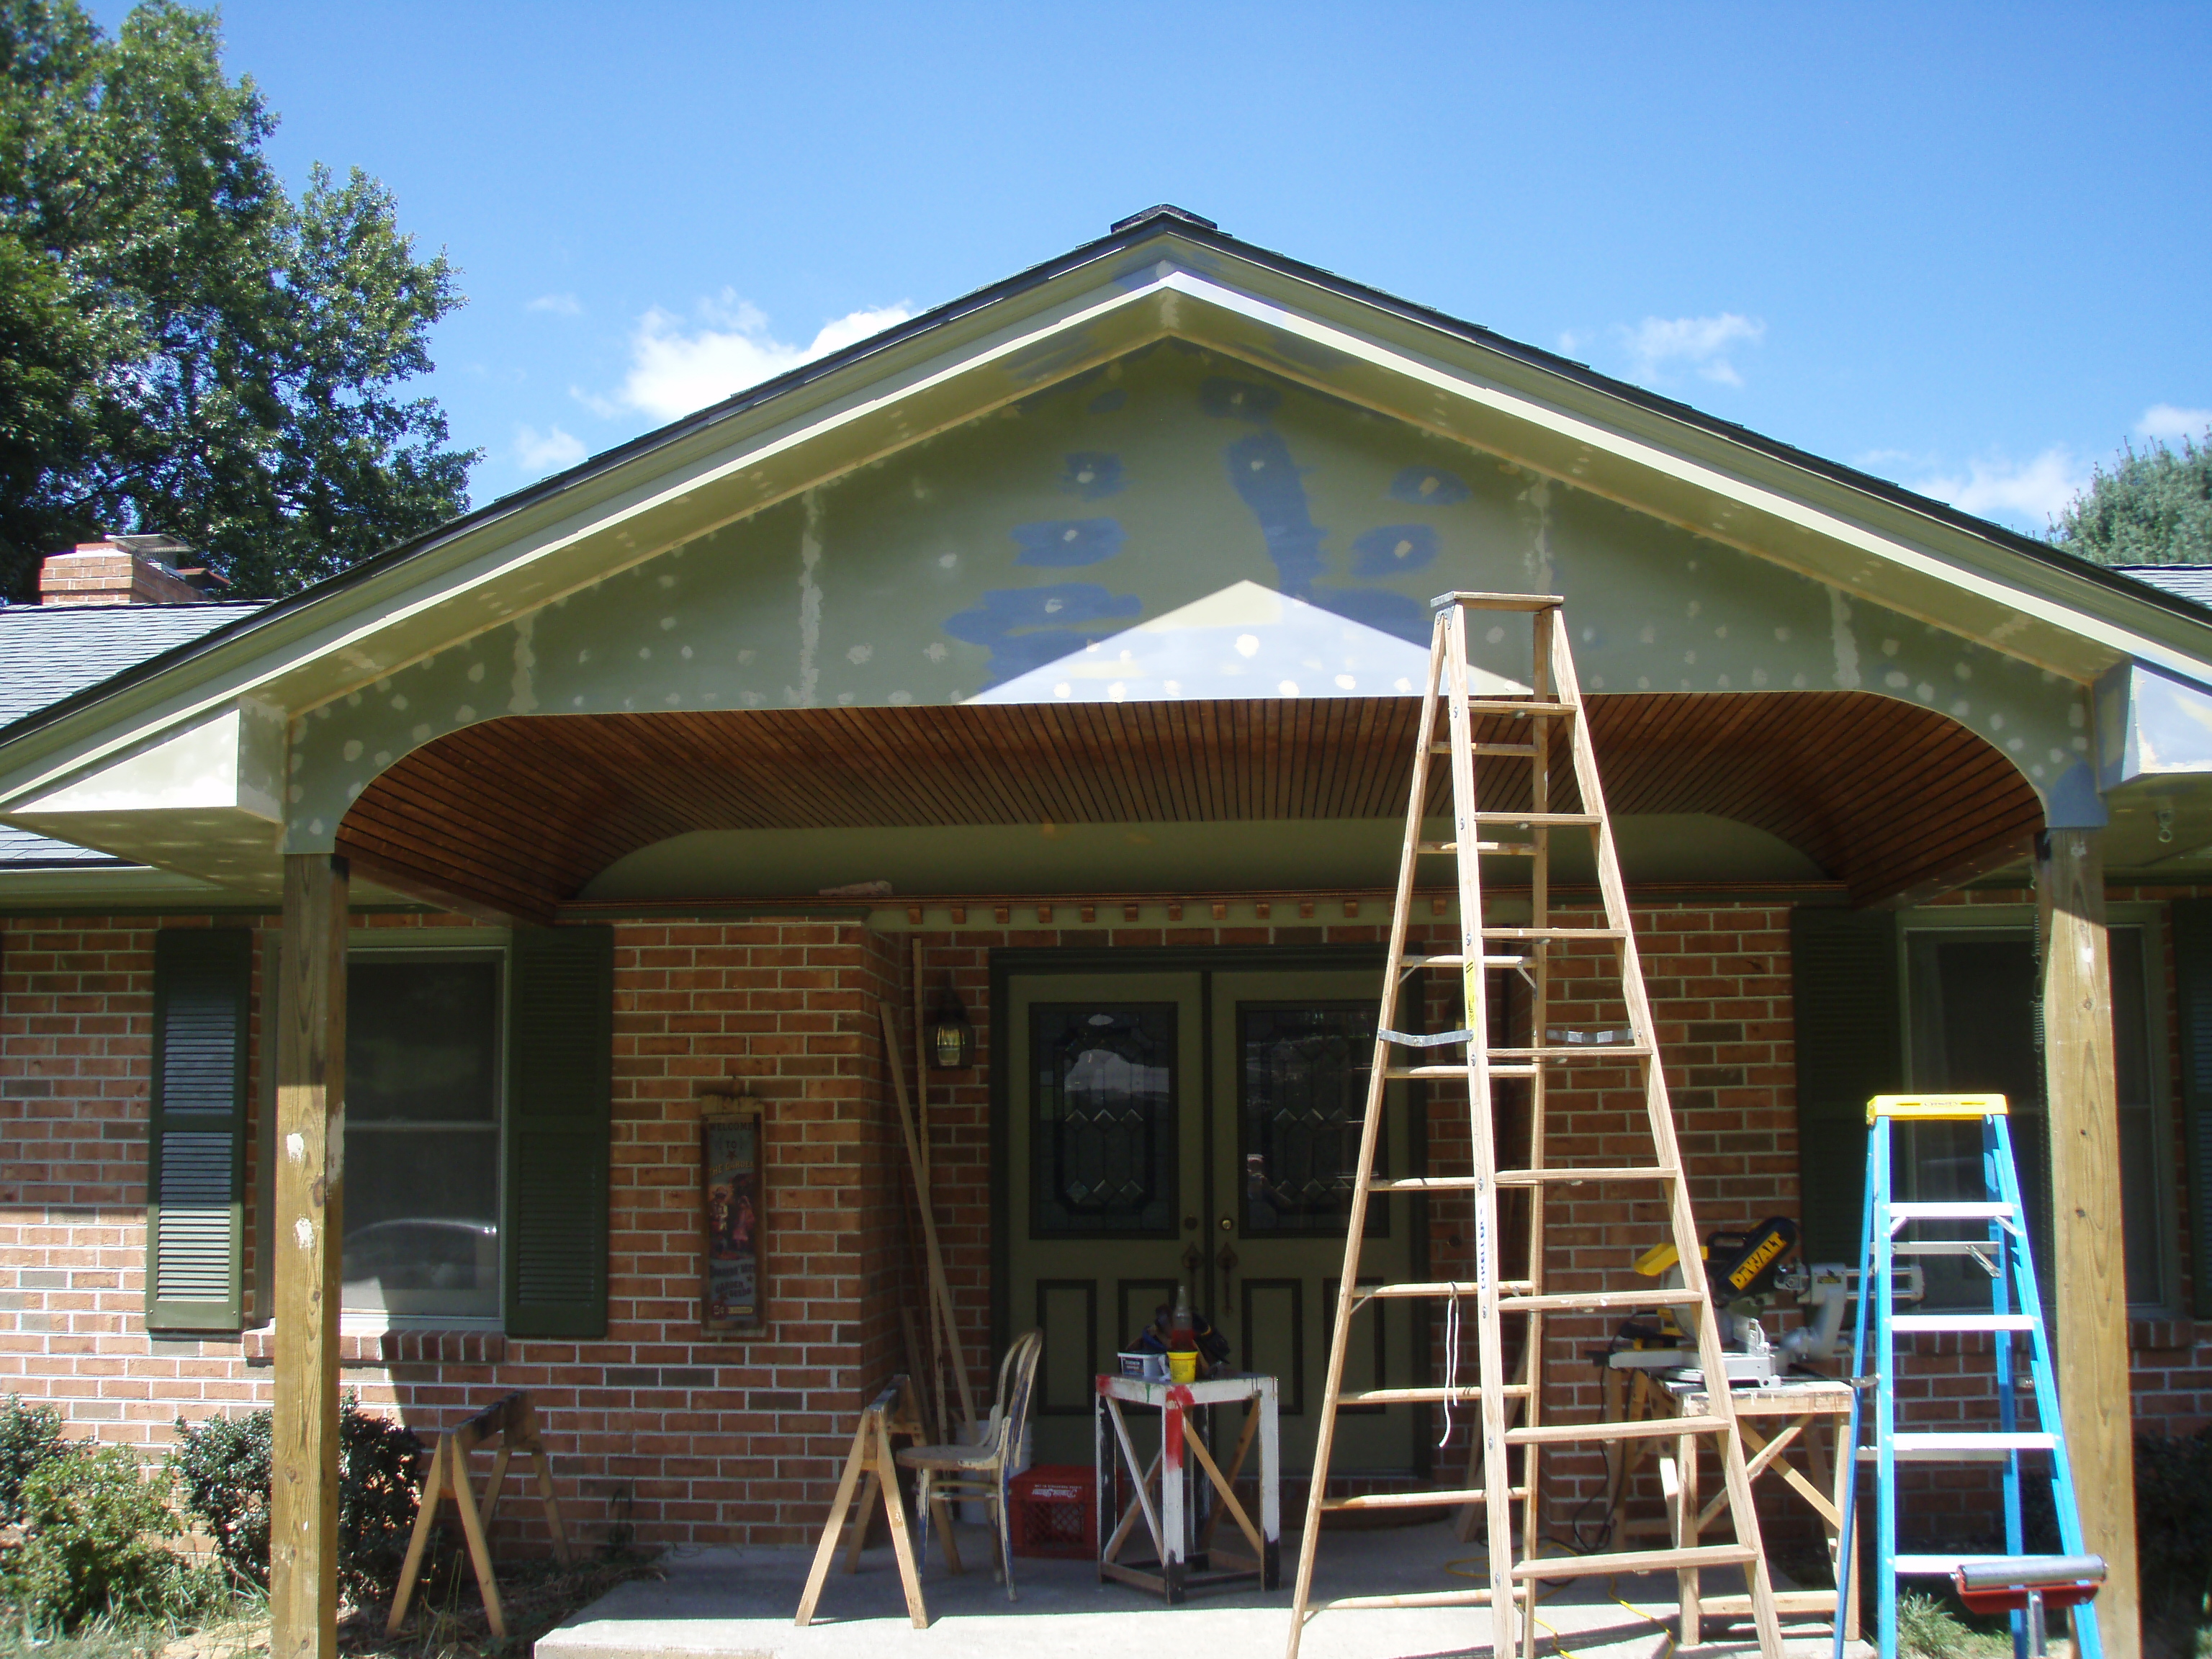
column 1047, row 658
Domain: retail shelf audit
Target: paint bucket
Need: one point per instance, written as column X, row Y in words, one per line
column 1182, row 1365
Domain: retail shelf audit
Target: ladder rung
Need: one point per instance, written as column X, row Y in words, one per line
column 1593, row 1566
column 1555, row 933
column 1427, row 1184
column 1454, row 959
column 1962, row 1322
column 1645, row 1428
column 1511, row 848
column 1457, row 1598
column 1577, row 1051
column 1469, row 598
column 1399, row 1073
column 1504, row 706
column 1958, row 1212
column 1459, row 1287
column 1430, row 1395
column 1568, row 1174
column 1539, row 820
column 1416, row 1500
column 1527, row 748
column 1939, row 1246
column 1984, row 1448
column 1599, row 1301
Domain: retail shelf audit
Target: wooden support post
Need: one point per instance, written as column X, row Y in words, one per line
column 2088, row 1271
column 303, row 1501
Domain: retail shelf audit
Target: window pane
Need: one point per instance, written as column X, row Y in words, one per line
column 421, row 1191
column 422, row 1220
column 1104, row 1129
column 421, row 1041
column 1303, row 1080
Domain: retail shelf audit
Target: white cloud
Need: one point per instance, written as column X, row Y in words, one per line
column 550, row 450
column 559, row 305
column 675, row 369
column 1659, row 344
column 2171, row 421
column 2036, row 491
column 1573, row 340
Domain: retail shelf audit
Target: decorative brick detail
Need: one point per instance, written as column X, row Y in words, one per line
column 401, row 1347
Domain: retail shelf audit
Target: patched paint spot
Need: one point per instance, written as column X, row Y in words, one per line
column 1025, row 627
column 1846, row 644
column 1266, row 480
column 1092, row 474
column 1388, row 549
column 1237, row 400
column 1062, row 544
column 1429, row 486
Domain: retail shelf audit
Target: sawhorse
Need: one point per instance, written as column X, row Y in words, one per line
column 512, row 1422
column 895, row 1411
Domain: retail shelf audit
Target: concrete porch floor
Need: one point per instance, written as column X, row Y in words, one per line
column 737, row 1604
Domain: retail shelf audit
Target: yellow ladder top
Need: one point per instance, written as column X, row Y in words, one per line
column 1953, row 1106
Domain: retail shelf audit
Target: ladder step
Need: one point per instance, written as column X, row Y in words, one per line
column 1454, row 959
column 1599, row 1301
column 1512, row 849
column 1427, row 1184
column 1555, row 933
column 1527, row 749
column 1501, row 705
column 1944, row 1448
column 1540, row 820
column 1596, row 1566
column 1962, row 1322
column 1577, row 1051
column 1957, row 1212
column 1398, row 1073
column 1430, row 1395
column 1568, row 1174
column 1646, row 1428
column 1417, row 1500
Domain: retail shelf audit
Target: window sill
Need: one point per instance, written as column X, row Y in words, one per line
column 402, row 1346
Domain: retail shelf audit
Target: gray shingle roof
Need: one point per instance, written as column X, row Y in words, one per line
column 49, row 651
column 2192, row 582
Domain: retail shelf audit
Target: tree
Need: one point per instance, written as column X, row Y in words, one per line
column 184, row 348
column 2153, row 507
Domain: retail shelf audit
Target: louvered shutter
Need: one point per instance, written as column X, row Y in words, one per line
column 560, row 1099
column 2192, row 963
column 196, row 1133
column 1845, row 984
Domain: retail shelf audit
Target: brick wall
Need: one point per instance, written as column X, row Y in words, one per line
column 688, row 1440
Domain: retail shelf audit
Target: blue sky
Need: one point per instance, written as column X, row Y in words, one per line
column 1964, row 247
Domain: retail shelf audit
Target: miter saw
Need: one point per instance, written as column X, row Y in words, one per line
column 1746, row 1272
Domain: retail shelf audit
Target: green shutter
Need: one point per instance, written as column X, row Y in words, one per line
column 196, row 1130
column 561, row 998
column 2192, row 966
column 1845, row 986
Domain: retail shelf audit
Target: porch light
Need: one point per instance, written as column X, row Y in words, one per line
column 951, row 1038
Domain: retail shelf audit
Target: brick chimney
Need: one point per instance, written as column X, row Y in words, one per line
column 125, row 570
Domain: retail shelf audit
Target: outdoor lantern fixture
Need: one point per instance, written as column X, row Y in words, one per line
column 951, row 1038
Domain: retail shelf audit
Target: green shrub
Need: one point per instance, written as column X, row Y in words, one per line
column 92, row 1542
column 223, row 1465
column 29, row 1436
column 2173, row 1526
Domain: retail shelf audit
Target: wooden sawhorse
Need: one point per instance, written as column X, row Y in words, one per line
column 512, row 1422
column 895, row 1411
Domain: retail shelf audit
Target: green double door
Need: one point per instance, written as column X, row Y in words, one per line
column 1202, row 1128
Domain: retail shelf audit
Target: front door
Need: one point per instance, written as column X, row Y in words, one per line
column 1200, row 1128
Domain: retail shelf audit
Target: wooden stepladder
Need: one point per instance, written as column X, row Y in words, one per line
column 1546, row 733
column 511, row 1421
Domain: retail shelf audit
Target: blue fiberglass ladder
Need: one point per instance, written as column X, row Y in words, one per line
column 2015, row 1310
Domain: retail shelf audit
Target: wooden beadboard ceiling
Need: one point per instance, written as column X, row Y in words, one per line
column 518, row 814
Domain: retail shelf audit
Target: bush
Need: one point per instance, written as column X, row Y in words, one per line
column 2173, row 1527
column 29, row 1436
column 92, row 1543
column 223, row 1465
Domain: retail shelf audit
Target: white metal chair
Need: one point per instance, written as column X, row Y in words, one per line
column 979, row 1472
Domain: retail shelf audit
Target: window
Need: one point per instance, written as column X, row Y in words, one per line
column 1103, row 1140
column 424, row 1088
column 1972, row 1026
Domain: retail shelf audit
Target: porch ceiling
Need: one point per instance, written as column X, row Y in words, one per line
column 518, row 814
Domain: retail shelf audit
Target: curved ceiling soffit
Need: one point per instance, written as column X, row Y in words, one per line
column 519, row 813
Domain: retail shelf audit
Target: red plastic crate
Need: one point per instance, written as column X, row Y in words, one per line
column 1054, row 1512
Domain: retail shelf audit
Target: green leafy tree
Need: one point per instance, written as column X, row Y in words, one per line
column 2154, row 507
column 183, row 348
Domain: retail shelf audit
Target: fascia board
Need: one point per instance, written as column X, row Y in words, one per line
column 2030, row 590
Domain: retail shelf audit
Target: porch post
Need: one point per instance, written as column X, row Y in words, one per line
column 2088, row 1268
column 303, row 1499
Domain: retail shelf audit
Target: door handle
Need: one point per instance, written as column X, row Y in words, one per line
column 1227, row 1258
column 1192, row 1260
